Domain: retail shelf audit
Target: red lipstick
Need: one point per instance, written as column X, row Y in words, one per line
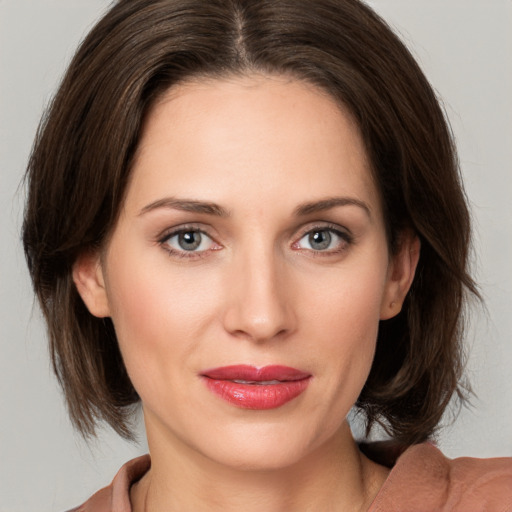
column 248, row 387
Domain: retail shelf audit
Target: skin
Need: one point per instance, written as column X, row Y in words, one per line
column 258, row 290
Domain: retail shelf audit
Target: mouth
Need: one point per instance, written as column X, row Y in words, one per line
column 248, row 387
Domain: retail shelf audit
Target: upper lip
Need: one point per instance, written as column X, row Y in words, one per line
column 251, row 373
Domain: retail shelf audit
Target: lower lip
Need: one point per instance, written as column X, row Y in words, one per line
column 257, row 396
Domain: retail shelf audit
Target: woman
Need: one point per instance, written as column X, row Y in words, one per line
column 264, row 226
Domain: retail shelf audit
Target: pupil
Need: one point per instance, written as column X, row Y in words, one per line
column 190, row 240
column 320, row 240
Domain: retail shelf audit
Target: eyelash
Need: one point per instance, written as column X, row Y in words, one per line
column 346, row 238
column 164, row 239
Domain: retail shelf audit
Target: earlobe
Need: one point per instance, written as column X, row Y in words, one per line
column 90, row 283
column 401, row 275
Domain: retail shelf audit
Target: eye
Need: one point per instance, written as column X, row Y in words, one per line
column 323, row 240
column 189, row 240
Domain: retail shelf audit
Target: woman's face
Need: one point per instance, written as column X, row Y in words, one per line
column 251, row 236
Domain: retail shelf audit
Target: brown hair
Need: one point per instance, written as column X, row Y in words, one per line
column 82, row 155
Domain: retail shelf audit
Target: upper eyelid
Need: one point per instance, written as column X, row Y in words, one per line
column 176, row 230
column 327, row 226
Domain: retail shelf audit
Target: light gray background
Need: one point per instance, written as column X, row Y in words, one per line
column 465, row 48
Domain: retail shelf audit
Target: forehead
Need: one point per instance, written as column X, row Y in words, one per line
column 273, row 136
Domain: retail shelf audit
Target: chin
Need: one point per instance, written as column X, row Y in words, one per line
column 264, row 447
column 258, row 458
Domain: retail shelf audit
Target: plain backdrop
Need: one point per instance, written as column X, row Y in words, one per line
column 464, row 47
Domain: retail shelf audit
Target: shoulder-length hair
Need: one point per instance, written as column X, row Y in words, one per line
column 82, row 156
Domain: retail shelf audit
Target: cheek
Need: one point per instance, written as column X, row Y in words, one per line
column 159, row 315
column 350, row 301
column 348, row 314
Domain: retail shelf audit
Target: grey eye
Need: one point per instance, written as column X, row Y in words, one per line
column 190, row 240
column 326, row 240
column 320, row 240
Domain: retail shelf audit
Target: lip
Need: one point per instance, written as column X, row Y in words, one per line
column 254, row 388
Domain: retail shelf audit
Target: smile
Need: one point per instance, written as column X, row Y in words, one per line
column 248, row 387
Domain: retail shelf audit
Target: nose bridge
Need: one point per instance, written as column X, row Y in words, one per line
column 258, row 307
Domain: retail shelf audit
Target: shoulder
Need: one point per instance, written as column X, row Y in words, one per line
column 116, row 496
column 423, row 479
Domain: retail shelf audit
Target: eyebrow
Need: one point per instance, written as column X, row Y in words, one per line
column 195, row 206
column 186, row 205
column 328, row 204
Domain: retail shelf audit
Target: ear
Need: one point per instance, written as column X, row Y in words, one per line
column 402, row 268
column 90, row 283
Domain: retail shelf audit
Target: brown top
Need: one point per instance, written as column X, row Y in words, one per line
column 422, row 480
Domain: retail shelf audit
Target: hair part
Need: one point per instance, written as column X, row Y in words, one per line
column 83, row 153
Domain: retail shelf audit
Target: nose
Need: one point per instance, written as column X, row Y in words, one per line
column 259, row 306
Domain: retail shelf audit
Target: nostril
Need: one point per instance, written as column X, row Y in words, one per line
column 258, row 328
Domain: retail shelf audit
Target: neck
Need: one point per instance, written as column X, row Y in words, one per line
column 334, row 477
